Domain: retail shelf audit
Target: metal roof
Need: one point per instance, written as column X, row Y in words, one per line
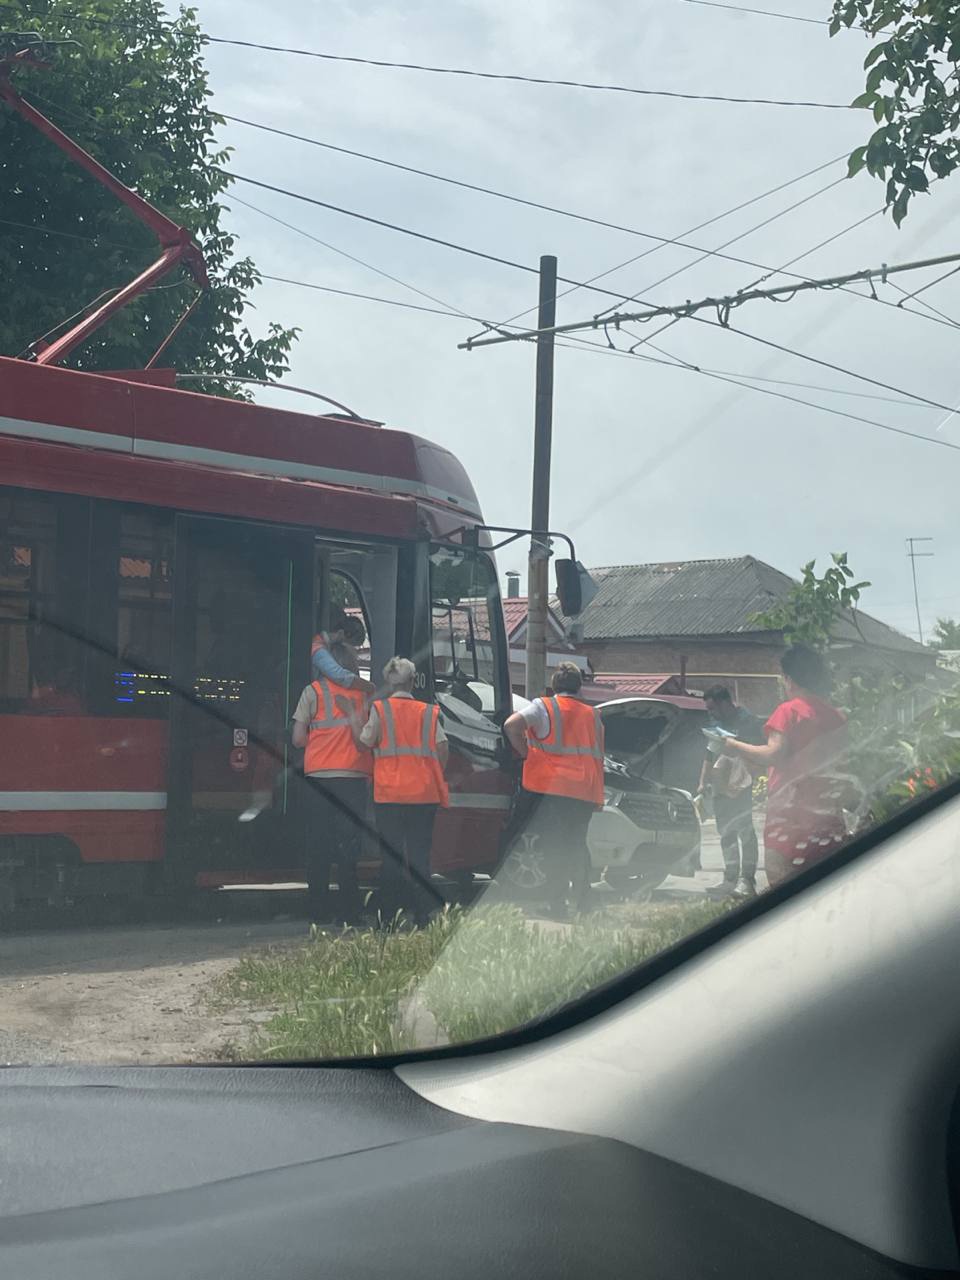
column 704, row 598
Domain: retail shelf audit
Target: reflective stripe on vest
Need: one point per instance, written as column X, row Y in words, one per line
column 555, row 765
column 407, row 772
column 556, row 747
column 330, row 743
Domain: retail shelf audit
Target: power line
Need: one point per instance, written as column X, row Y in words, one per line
column 671, row 360
column 409, row 231
column 724, row 304
column 765, row 13
column 780, row 395
column 826, row 364
column 472, row 72
column 740, row 236
column 449, row 307
column 536, row 204
column 541, row 80
column 42, row 230
column 662, row 240
column 366, row 297
column 798, row 258
column 923, row 288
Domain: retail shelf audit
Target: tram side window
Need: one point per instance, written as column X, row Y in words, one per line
column 42, row 649
column 131, row 612
column 361, row 581
column 464, row 615
column 144, row 621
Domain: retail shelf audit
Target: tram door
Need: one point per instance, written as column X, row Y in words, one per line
column 242, row 625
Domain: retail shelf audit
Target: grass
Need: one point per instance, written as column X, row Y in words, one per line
column 474, row 972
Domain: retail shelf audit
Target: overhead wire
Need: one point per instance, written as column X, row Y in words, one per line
column 452, row 315
column 409, row 231
column 828, row 364
column 42, row 230
column 765, row 13
column 470, row 72
column 662, row 241
column 309, row 235
column 797, row 204
column 810, row 404
column 699, row 227
column 923, row 288
column 522, row 79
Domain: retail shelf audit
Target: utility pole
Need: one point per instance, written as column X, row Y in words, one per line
column 913, row 556
column 538, row 576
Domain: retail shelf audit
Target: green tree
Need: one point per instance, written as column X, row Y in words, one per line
column 912, row 89
column 810, row 611
column 133, row 92
column 946, row 634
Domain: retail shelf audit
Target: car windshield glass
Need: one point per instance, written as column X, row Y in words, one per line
column 470, row 540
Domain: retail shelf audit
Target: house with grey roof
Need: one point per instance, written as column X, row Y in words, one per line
column 695, row 618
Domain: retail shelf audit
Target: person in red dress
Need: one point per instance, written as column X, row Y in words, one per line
column 806, row 743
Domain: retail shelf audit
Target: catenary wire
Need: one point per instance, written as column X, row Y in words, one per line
column 663, row 241
column 522, row 79
column 764, row 13
column 810, row 404
column 469, row 72
column 449, row 307
column 740, row 236
column 453, row 315
column 409, row 231
column 934, row 314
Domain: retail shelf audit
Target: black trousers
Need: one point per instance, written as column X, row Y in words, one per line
column 406, row 834
column 738, row 839
column 560, row 823
column 337, row 815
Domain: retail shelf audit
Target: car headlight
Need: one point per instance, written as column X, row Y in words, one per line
column 673, row 811
column 611, row 797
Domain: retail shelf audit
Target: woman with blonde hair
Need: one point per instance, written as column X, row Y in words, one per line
column 409, row 754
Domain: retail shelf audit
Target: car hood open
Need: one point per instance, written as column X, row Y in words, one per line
column 636, row 727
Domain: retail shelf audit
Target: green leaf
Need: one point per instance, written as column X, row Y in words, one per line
column 873, row 55
column 857, row 160
column 864, row 100
column 876, row 76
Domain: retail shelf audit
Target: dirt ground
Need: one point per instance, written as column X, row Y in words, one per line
column 132, row 992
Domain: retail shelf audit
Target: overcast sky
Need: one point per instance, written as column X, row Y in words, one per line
column 650, row 463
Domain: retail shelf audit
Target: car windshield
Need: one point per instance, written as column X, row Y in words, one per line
column 553, row 563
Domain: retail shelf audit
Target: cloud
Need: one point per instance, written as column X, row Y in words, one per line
column 741, row 473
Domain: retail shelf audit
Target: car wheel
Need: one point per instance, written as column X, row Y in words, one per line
column 524, row 872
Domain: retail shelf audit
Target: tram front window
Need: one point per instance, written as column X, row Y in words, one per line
column 464, row 606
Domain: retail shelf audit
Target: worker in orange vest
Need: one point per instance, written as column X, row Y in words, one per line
column 338, row 770
column 409, row 754
column 560, row 740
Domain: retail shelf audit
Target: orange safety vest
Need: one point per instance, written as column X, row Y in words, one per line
column 330, row 744
column 569, row 760
column 406, row 767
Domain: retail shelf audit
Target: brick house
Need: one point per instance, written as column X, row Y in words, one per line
column 693, row 618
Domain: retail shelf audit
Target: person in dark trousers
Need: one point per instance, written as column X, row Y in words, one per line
column 409, row 755
column 338, row 771
column 560, row 740
column 731, row 784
